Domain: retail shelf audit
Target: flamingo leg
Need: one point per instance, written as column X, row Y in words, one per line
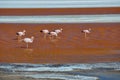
column 56, row 37
column 85, row 35
column 19, row 38
column 27, row 45
column 45, row 36
column 51, row 37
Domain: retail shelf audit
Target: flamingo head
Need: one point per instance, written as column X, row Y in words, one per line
column 61, row 29
column 89, row 29
column 24, row 31
column 32, row 37
column 41, row 31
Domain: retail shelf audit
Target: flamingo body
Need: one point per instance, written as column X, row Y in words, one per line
column 58, row 30
column 53, row 34
column 86, row 32
column 21, row 33
column 45, row 31
column 28, row 40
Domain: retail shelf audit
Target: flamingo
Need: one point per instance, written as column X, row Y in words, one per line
column 20, row 34
column 53, row 34
column 87, row 31
column 28, row 40
column 58, row 30
column 45, row 32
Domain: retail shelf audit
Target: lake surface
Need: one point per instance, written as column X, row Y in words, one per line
column 84, row 71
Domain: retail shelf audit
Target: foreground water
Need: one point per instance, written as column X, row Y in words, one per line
column 87, row 71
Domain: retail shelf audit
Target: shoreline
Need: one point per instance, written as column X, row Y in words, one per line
column 58, row 11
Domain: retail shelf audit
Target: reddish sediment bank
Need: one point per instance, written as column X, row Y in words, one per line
column 58, row 11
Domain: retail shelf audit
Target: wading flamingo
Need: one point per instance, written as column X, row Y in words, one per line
column 20, row 34
column 28, row 40
column 58, row 30
column 53, row 34
column 86, row 32
column 45, row 32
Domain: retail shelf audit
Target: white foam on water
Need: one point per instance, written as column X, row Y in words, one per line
column 60, row 68
column 103, row 18
column 71, row 67
column 59, row 71
column 58, row 3
column 117, row 69
column 6, row 67
column 62, row 76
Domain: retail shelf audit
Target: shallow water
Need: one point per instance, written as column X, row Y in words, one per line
column 102, row 45
column 105, row 18
column 58, row 3
column 87, row 71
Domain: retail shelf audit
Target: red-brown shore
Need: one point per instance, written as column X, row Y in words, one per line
column 58, row 11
